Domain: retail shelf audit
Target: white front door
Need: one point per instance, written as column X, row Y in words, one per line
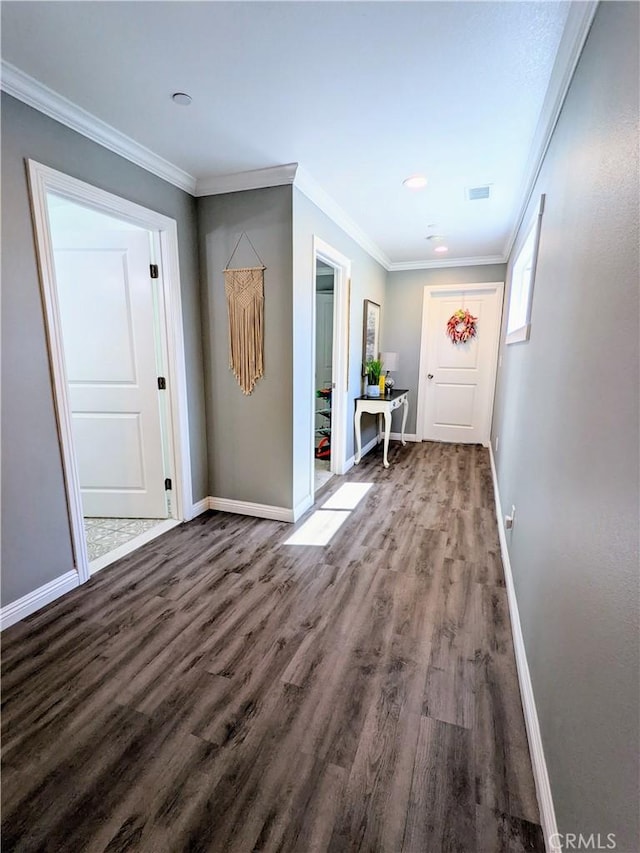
column 106, row 301
column 457, row 380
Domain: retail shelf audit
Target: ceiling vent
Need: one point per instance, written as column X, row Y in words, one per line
column 478, row 193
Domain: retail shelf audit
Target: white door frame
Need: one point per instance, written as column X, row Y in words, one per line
column 342, row 277
column 43, row 180
column 422, row 376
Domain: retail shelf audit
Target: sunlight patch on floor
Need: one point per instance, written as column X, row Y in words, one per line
column 347, row 496
column 319, row 528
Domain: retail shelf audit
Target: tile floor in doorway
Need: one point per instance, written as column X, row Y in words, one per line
column 323, row 474
column 105, row 534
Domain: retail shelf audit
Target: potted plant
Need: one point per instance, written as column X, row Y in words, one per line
column 373, row 369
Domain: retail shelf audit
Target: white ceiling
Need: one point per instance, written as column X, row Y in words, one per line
column 360, row 94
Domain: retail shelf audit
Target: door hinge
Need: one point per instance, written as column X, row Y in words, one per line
column 162, row 383
column 153, row 270
column 167, row 484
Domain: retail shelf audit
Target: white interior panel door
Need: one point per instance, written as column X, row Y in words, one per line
column 107, row 312
column 324, row 352
column 458, row 379
column 324, row 339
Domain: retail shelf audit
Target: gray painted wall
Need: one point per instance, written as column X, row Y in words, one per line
column 249, row 437
column 368, row 281
column 403, row 320
column 566, row 415
column 32, row 484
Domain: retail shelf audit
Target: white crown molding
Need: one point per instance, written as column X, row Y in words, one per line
column 314, row 192
column 35, row 94
column 574, row 36
column 254, row 179
column 449, row 262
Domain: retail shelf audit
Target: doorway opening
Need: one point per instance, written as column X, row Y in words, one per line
column 330, row 363
column 114, row 348
column 112, row 306
column 457, row 379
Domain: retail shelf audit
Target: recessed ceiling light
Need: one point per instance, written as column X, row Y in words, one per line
column 415, row 182
column 181, row 98
column 441, row 249
column 434, row 237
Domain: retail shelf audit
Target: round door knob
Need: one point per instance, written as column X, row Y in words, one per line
column 429, row 375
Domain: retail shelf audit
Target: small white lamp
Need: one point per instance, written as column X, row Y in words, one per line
column 390, row 362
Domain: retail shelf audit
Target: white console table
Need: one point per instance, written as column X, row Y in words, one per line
column 383, row 407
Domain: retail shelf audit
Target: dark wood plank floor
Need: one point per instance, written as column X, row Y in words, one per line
column 221, row 691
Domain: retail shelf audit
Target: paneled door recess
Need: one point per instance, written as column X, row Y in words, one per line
column 457, row 380
column 106, row 299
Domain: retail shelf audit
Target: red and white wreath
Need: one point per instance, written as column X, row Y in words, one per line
column 461, row 326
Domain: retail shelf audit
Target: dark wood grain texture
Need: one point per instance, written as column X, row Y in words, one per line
column 219, row 690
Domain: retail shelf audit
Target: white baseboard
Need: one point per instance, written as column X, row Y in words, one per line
column 199, row 507
column 408, row 436
column 32, row 601
column 351, row 461
column 275, row 513
column 538, row 762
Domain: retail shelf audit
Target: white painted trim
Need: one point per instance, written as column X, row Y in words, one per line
column 351, row 461
column 397, row 436
column 339, row 400
column 35, row 94
column 314, row 192
column 424, row 345
column 481, row 260
column 176, row 369
column 130, row 546
column 42, row 180
column 276, row 513
column 302, row 507
column 253, row 179
column 536, row 749
column 38, row 186
column 519, row 336
column 199, row 507
column 574, row 36
column 32, row 601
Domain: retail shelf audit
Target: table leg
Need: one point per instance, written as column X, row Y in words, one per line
column 357, row 420
column 405, row 412
column 387, row 430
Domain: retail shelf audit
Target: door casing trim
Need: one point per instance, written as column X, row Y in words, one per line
column 42, row 180
column 341, row 285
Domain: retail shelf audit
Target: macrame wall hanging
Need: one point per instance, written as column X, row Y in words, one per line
column 245, row 304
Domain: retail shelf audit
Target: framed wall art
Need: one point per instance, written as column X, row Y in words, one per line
column 370, row 332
